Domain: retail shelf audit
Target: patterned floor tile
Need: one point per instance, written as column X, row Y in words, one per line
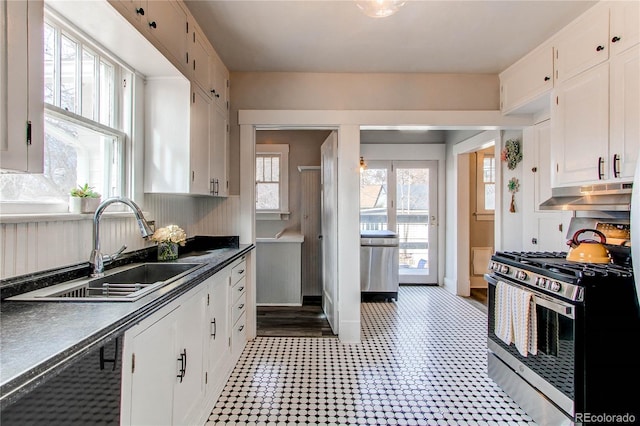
column 422, row 361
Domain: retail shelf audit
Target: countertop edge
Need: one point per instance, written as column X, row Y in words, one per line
column 17, row 386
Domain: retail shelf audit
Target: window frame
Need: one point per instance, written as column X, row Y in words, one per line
column 283, row 151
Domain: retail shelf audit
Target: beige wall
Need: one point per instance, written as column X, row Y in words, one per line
column 304, row 150
column 343, row 91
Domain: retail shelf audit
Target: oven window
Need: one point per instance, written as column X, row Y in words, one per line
column 554, row 361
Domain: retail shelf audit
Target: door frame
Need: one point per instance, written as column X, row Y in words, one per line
column 462, row 258
column 348, row 124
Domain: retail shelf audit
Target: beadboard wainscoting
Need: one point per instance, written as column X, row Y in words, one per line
column 40, row 242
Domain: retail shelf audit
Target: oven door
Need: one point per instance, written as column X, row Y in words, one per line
column 552, row 369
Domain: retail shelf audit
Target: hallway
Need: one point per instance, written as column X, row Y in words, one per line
column 422, row 360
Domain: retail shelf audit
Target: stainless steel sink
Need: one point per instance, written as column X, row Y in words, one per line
column 124, row 284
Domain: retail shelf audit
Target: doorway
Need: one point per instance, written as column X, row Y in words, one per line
column 402, row 196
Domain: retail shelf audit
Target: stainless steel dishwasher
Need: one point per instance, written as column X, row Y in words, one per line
column 379, row 264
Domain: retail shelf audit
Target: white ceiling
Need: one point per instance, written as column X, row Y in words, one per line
column 481, row 36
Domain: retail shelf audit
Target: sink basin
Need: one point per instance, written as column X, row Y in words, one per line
column 124, row 284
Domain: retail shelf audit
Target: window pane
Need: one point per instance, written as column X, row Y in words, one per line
column 267, row 196
column 49, row 64
column 88, row 84
column 490, row 196
column 275, row 169
column 259, row 169
column 267, row 169
column 489, row 169
column 373, row 199
column 68, row 77
column 106, row 93
column 73, row 155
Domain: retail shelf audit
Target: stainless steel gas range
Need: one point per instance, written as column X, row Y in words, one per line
column 587, row 326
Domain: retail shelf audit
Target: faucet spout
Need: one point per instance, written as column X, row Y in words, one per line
column 96, row 259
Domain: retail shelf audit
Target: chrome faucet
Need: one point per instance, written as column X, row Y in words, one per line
column 97, row 259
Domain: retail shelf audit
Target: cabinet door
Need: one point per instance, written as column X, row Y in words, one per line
column 580, row 128
column 542, row 165
column 220, row 83
column 167, row 23
column 153, row 373
column 218, row 330
column 189, row 383
column 522, row 84
column 624, row 143
column 22, row 86
column 583, row 45
column 199, row 56
column 219, row 153
column 625, row 25
column 200, row 142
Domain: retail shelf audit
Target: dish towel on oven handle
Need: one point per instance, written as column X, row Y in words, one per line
column 503, row 313
column 525, row 322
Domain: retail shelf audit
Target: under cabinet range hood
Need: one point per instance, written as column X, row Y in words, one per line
column 602, row 197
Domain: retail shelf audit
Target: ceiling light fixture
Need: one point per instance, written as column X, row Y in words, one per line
column 380, row 8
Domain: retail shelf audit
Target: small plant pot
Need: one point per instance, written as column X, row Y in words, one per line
column 83, row 204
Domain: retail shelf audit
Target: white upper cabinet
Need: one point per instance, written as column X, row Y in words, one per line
column 220, row 83
column 625, row 31
column 580, row 128
column 200, row 59
column 624, row 138
column 167, row 23
column 583, row 44
column 525, row 86
column 596, row 100
column 22, row 86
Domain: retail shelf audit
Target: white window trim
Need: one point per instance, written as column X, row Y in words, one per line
column 283, row 212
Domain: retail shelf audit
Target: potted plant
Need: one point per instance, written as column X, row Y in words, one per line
column 83, row 199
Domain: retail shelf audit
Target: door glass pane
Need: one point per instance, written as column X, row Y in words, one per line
column 373, row 199
column 413, row 220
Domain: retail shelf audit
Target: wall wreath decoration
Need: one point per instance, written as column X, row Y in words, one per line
column 512, row 153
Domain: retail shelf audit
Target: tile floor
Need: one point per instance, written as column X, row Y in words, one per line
column 422, row 361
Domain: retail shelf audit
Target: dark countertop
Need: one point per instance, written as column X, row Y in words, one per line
column 37, row 338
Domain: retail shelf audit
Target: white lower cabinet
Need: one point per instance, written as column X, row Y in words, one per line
column 177, row 361
column 165, row 366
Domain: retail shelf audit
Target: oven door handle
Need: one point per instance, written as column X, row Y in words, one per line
column 543, row 300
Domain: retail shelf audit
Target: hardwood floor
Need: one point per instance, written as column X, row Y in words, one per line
column 292, row 321
column 478, row 298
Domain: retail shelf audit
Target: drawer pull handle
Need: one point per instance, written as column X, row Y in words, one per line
column 241, row 288
column 599, row 48
column 215, row 328
column 241, row 327
column 241, row 306
column 241, row 271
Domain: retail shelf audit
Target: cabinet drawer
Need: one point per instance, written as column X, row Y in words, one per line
column 238, row 290
column 239, row 335
column 238, row 271
column 239, row 308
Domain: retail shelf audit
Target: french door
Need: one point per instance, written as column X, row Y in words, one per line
column 402, row 196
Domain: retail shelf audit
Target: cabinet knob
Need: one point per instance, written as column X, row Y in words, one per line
column 140, row 11
column 599, row 48
column 615, row 39
column 153, row 24
column 547, row 78
column 534, row 169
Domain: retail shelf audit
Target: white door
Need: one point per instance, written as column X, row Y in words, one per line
column 416, row 211
column 401, row 196
column 329, row 201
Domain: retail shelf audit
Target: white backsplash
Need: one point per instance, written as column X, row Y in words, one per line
column 32, row 246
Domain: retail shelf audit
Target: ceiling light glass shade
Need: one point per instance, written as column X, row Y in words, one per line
column 380, row 8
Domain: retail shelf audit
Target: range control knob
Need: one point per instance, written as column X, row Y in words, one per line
column 504, row 269
column 522, row 275
column 541, row 282
column 554, row 286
